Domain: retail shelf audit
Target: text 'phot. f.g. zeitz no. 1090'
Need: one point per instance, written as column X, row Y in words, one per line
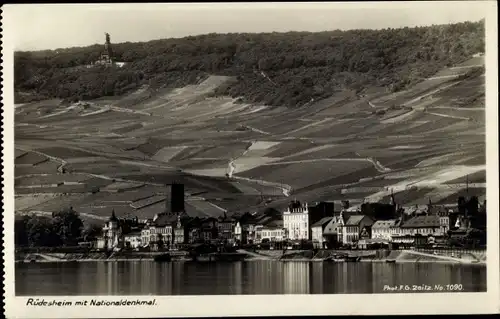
column 306, row 151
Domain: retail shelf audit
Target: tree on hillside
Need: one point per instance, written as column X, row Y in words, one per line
column 20, row 231
column 333, row 60
column 68, row 226
column 40, row 232
column 91, row 232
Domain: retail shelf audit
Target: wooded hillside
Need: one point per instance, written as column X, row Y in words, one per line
column 273, row 68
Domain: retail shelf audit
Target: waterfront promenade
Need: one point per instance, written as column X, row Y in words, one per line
column 410, row 255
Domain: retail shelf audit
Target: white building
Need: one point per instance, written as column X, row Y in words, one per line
column 159, row 231
column 133, row 240
column 238, row 232
column 296, row 221
column 156, row 234
column 384, row 229
column 179, row 232
column 111, row 234
column 274, row 234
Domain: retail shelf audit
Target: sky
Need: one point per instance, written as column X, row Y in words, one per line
column 52, row 26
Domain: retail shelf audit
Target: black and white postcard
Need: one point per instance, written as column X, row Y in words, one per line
column 226, row 159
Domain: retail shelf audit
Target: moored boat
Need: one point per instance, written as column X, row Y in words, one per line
column 229, row 256
column 163, row 258
column 226, row 257
column 352, row 258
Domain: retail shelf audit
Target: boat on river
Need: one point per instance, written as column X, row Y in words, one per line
column 219, row 257
column 163, row 258
column 210, row 253
column 352, row 258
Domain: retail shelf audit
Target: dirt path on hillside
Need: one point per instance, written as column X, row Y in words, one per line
column 449, row 116
column 378, row 166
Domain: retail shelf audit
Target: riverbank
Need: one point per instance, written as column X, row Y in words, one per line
column 333, row 256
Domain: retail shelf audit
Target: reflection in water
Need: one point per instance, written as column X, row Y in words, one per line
column 256, row 277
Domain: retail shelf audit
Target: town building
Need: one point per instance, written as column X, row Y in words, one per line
column 333, row 231
column 208, row 230
column 111, row 234
column 356, row 227
column 272, row 231
column 158, row 234
column 244, row 230
column 317, row 232
column 298, row 218
column 384, row 229
column 114, row 231
column 133, row 240
column 225, row 228
column 424, row 225
column 422, row 229
column 238, row 232
column 382, row 211
column 181, row 231
column 194, row 235
column 295, row 221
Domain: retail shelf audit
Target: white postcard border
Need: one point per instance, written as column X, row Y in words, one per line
column 254, row 305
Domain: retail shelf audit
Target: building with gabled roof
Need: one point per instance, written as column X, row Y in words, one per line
column 433, row 225
column 384, row 229
column 298, row 218
column 333, row 231
column 272, row 232
column 317, row 229
column 354, row 227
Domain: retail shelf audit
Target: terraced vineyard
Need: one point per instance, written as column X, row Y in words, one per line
column 118, row 153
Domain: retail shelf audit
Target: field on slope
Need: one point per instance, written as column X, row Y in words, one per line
column 118, row 153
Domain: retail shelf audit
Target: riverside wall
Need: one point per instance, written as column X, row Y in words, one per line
column 382, row 255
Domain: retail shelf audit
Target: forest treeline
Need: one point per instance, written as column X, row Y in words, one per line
column 287, row 69
column 63, row 228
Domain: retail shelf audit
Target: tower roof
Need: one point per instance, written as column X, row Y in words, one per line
column 113, row 217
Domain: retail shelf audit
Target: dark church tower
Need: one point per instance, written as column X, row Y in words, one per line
column 175, row 199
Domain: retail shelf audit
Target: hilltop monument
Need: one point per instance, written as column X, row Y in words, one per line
column 107, row 55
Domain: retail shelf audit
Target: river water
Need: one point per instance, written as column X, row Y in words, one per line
column 254, row 277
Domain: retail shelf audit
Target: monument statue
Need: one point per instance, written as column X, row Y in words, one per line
column 107, row 48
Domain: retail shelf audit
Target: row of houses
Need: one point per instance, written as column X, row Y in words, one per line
column 165, row 230
column 320, row 224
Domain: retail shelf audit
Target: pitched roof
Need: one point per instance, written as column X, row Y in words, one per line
column 355, row 219
column 415, row 209
column 274, row 224
column 331, row 227
column 134, row 233
column 164, row 220
column 226, row 219
column 422, row 221
column 385, row 223
column 322, row 222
